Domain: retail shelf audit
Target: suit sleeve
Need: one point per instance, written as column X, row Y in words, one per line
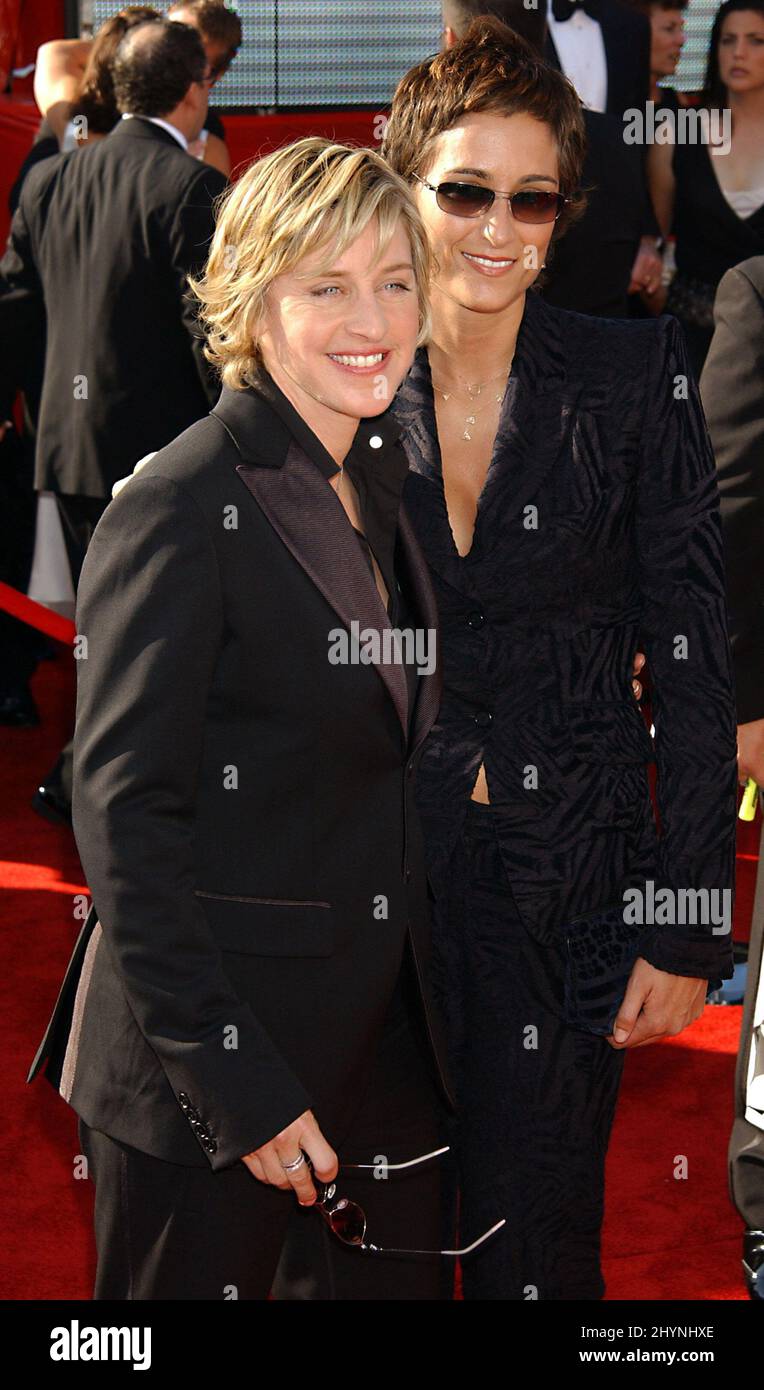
column 150, row 606
column 22, row 306
column 731, row 388
column 190, row 236
column 684, row 631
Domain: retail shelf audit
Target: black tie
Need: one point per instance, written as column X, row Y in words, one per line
column 563, row 9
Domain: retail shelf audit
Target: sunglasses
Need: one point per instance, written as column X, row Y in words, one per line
column 347, row 1220
column 472, row 200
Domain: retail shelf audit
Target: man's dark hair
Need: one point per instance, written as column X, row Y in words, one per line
column 155, row 65
column 215, row 22
column 529, row 24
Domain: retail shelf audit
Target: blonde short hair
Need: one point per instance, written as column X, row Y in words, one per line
column 286, row 206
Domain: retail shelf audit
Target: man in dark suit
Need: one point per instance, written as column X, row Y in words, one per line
column 105, row 237
column 731, row 388
column 603, row 47
column 611, row 252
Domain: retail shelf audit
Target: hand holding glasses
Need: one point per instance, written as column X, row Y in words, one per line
column 347, row 1220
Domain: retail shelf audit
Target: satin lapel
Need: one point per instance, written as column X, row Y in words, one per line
column 430, row 686
column 311, row 521
column 533, row 426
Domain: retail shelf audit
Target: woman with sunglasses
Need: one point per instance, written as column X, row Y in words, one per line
column 247, row 997
column 563, row 491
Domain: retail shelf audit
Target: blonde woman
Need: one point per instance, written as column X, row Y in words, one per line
column 246, row 998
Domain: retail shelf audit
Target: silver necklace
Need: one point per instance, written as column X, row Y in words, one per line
column 473, row 391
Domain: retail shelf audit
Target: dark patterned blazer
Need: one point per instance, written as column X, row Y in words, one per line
column 597, row 534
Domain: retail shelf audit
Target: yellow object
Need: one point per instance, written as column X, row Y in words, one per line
column 748, row 804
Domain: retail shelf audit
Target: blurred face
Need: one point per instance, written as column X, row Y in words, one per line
column 344, row 340
column 487, row 262
column 741, row 51
column 217, row 55
column 667, row 40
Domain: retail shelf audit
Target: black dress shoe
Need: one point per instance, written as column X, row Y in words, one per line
column 753, row 1263
column 18, row 709
column 52, row 805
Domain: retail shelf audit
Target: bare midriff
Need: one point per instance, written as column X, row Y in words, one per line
column 465, row 465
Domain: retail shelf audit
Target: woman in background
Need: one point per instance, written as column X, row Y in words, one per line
column 712, row 200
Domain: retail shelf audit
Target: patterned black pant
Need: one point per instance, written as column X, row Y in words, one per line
column 537, row 1097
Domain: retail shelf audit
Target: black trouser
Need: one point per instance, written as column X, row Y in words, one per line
column 79, row 518
column 746, row 1147
column 537, row 1097
column 19, row 643
column 164, row 1231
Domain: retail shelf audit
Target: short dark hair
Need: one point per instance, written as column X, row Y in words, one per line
column 96, row 99
column 155, row 65
column 214, row 20
column 529, row 24
column 490, row 69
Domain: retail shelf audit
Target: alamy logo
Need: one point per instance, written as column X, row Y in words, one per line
column 383, row 647
column 678, row 907
column 690, row 125
column 75, row 1343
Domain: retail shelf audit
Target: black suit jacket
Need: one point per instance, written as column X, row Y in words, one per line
column 626, row 35
column 732, row 386
column 243, row 807
column 597, row 534
column 590, row 268
column 104, row 237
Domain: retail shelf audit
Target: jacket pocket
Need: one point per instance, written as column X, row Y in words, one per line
column 611, row 732
column 269, row 926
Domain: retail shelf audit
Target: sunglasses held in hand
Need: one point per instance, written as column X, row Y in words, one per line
column 347, row 1220
column 472, row 200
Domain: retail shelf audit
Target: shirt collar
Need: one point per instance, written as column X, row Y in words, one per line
column 375, row 445
column 157, row 120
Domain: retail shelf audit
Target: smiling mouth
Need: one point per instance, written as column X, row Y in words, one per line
column 358, row 361
column 489, row 262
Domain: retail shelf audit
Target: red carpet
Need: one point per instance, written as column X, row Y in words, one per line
column 666, row 1237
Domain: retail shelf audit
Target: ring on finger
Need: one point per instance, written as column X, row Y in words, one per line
column 292, row 1167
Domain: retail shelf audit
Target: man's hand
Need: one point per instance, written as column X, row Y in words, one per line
column 750, row 751
column 656, row 1005
column 266, row 1162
